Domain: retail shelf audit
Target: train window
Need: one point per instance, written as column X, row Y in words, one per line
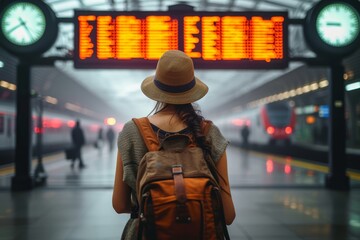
column 279, row 114
column 2, row 123
column 278, row 107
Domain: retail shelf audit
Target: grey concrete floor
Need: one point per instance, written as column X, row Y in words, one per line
column 275, row 199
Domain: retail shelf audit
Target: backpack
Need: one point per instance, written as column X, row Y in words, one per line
column 177, row 195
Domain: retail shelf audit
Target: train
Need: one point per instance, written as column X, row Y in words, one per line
column 268, row 124
column 56, row 131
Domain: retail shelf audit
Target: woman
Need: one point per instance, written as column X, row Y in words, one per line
column 175, row 88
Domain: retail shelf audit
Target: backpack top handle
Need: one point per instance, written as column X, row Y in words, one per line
column 150, row 138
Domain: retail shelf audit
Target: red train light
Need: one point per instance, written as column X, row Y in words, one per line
column 269, row 165
column 55, row 123
column 38, row 130
column 270, row 130
column 238, row 122
column 288, row 130
column 287, row 168
column 71, row 123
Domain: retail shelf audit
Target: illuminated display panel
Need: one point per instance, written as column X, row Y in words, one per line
column 215, row 40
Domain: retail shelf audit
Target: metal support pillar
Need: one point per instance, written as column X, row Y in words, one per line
column 22, row 179
column 337, row 179
column 40, row 175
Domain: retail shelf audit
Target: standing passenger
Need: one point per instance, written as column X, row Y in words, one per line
column 100, row 140
column 245, row 132
column 110, row 134
column 78, row 140
column 175, row 88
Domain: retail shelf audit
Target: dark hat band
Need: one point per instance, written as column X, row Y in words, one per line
column 174, row 89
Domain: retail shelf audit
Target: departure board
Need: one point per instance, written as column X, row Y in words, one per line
column 214, row 40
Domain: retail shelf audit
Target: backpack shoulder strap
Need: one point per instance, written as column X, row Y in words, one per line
column 147, row 133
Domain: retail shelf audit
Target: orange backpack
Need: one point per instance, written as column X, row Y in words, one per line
column 178, row 197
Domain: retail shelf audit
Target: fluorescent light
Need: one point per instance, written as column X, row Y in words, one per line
column 72, row 107
column 2, row 64
column 352, row 86
column 4, row 84
column 292, row 93
column 306, row 88
column 323, row 83
column 299, row 91
column 314, row 86
column 8, row 85
column 286, row 94
column 51, row 100
column 12, row 87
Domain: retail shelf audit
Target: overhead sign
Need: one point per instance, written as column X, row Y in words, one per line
column 238, row 40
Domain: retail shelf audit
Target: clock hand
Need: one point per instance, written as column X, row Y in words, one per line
column 14, row 28
column 21, row 21
column 26, row 28
column 337, row 24
column 30, row 34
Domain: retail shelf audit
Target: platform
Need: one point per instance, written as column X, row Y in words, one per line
column 275, row 198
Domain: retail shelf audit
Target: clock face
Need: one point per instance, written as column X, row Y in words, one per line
column 23, row 23
column 337, row 24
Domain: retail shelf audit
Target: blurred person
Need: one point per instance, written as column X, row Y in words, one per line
column 100, row 140
column 175, row 88
column 245, row 132
column 110, row 135
column 78, row 140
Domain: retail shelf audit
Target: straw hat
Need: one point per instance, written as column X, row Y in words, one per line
column 174, row 81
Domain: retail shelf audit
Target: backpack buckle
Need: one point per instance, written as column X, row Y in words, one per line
column 176, row 169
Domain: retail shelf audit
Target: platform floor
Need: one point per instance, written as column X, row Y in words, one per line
column 275, row 198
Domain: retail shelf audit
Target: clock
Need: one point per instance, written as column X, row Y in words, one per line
column 338, row 24
column 332, row 28
column 23, row 23
column 27, row 27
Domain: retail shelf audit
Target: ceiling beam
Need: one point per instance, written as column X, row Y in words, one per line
column 231, row 5
column 135, row 5
column 112, row 4
column 279, row 4
column 203, row 4
column 82, row 4
column 219, row 5
column 256, row 3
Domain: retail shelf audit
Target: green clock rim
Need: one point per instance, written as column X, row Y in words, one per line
column 7, row 10
column 354, row 12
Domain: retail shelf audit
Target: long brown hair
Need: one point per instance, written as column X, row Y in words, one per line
column 192, row 117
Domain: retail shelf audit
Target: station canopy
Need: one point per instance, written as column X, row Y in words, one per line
column 121, row 87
